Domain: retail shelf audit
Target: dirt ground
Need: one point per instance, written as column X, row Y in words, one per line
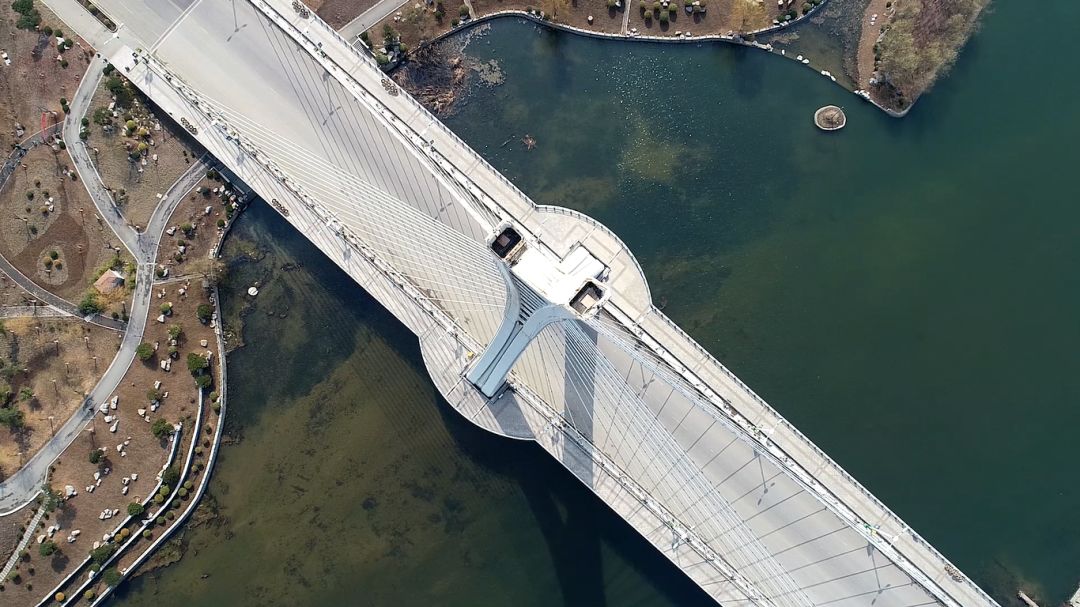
column 339, row 12
column 12, row 294
column 31, row 358
column 417, row 23
column 138, row 185
column 868, row 37
column 12, row 527
column 73, row 229
column 145, row 455
column 720, row 17
column 204, row 233
column 35, row 80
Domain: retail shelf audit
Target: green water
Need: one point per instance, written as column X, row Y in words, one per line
column 906, row 292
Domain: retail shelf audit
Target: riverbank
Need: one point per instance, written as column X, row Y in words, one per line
column 875, row 70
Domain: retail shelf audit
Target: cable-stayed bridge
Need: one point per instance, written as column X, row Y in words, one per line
column 535, row 322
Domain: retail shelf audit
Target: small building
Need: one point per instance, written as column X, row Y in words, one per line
column 110, row 281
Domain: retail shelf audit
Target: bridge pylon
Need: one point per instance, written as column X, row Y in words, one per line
column 542, row 289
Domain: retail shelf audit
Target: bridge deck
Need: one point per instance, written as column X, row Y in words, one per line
column 310, row 121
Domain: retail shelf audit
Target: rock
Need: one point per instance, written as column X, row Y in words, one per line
column 97, row 475
column 125, row 480
column 161, row 318
column 109, row 419
column 157, row 385
column 154, row 407
column 203, row 343
column 76, row 532
column 142, row 411
column 41, row 538
column 113, row 427
column 96, row 546
column 105, row 537
column 147, row 418
column 90, row 489
column 70, row 539
column 115, row 511
column 124, row 490
column 127, row 441
column 134, row 476
column 162, row 363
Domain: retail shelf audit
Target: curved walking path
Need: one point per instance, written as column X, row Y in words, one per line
column 21, row 487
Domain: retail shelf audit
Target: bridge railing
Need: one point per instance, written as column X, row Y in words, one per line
column 780, row 420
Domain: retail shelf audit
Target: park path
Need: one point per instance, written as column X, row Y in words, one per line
column 21, row 487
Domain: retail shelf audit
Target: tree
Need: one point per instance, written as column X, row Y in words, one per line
column 197, row 363
column 175, row 332
column 47, row 548
column 12, row 418
column 102, row 553
column 204, row 381
column 135, row 509
column 111, row 577
column 161, row 428
column 144, row 351
column 90, row 305
column 171, row 475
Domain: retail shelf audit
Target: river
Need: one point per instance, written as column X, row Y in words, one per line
column 905, row 291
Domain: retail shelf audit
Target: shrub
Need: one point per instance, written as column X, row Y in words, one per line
column 147, row 535
column 171, row 476
column 166, row 308
column 188, row 485
column 164, row 490
column 135, row 509
column 204, row 381
column 60, row 596
column 47, row 548
column 221, row 223
column 664, row 17
column 89, row 595
column 175, row 331
column 159, row 500
column 204, row 312
column 111, row 577
column 125, row 532
column 12, row 418
column 144, row 351
column 161, row 428
column 160, row 521
column 102, row 553
column 463, row 11
column 96, row 455
column 90, row 305
column 197, row 363
column 216, row 406
column 170, row 515
column 182, row 492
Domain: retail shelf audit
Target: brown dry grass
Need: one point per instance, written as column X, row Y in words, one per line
column 339, row 12
column 34, row 81
column 205, row 235
column 417, row 23
column 73, row 227
column 138, row 185
column 146, row 455
column 33, row 359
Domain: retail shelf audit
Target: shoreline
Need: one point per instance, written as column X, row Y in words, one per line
column 709, row 38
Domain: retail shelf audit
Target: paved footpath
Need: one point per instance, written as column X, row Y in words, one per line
column 23, row 486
